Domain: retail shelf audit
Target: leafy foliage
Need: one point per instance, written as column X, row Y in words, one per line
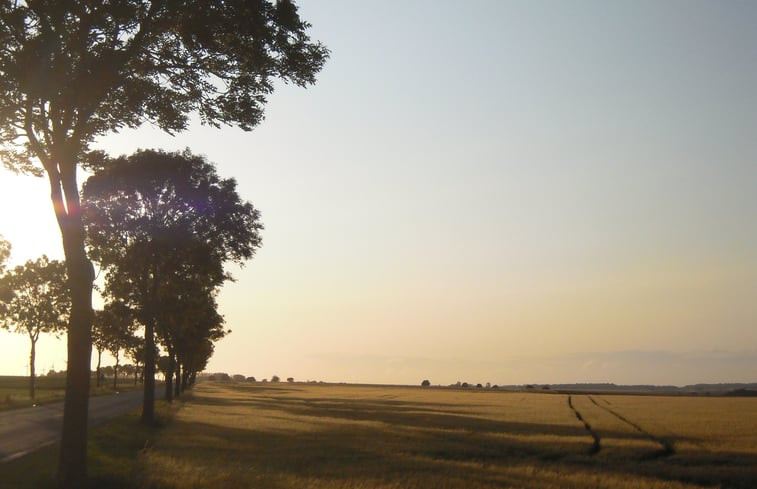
column 162, row 225
column 39, row 301
column 73, row 70
column 35, row 300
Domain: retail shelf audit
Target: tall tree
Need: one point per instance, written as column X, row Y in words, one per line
column 72, row 70
column 39, row 303
column 162, row 225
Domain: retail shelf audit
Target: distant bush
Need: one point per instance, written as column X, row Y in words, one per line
column 464, row 384
column 251, row 379
column 290, row 379
column 425, row 383
column 239, row 378
column 275, row 378
column 479, row 386
column 495, row 386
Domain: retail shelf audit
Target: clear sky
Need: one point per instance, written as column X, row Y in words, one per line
column 490, row 191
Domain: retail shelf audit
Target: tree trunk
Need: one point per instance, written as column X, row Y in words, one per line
column 169, row 378
column 72, row 468
column 148, row 402
column 177, row 387
column 184, row 379
column 115, row 373
column 31, row 369
column 97, row 371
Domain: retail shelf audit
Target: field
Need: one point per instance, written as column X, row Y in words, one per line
column 14, row 390
column 338, row 436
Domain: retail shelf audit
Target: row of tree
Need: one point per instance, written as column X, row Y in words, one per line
column 71, row 71
column 164, row 265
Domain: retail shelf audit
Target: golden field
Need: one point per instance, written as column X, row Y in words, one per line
column 318, row 436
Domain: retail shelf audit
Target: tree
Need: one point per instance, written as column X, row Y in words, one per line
column 72, row 70
column 162, row 225
column 425, row 383
column 275, row 378
column 38, row 303
column 113, row 331
column 6, row 294
column 5, row 252
column 99, row 340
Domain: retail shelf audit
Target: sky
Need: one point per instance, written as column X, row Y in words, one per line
column 492, row 191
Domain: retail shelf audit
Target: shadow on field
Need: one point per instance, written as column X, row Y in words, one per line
column 276, row 438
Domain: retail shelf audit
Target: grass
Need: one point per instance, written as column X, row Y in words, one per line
column 276, row 436
column 329, row 437
column 14, row 390
column 114, row 455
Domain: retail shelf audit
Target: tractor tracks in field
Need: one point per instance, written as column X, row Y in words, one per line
column 596, row 446
column 667, row 449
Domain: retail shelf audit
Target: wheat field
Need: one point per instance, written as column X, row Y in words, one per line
column 253, row 435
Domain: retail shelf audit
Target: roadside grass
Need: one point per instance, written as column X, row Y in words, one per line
column 14, row 390
column 332, row 437
column 114, row 454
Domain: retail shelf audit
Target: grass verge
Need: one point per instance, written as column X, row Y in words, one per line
column 114, row 450
column 14, row 390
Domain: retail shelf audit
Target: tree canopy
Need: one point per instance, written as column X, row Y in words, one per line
column 162, row 225
column 73, row 70
column 38, row 302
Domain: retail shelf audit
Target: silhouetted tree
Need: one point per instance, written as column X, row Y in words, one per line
column 290, row 379
column 162, row 225
column 99, row 341
column 275, row 378
column 120, row 332
column 71, row 70
column 425, row 383
column 113, row 330
column 128, row 369
column 163, row 365
column 39, row 303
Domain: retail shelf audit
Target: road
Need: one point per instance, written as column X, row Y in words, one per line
column 25, row 430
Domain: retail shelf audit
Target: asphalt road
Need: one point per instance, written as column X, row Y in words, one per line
column 25, row 430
